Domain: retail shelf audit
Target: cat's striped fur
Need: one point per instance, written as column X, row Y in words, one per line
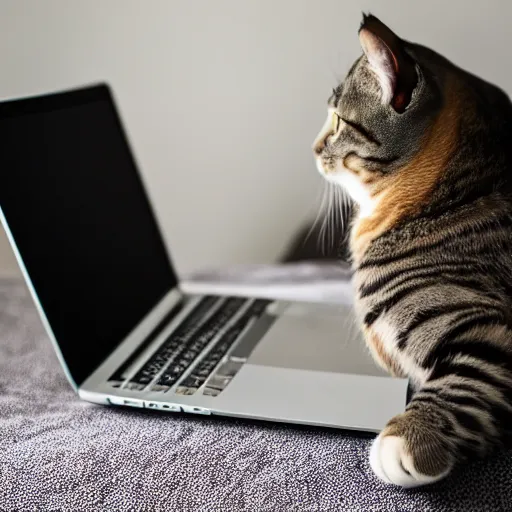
column 431, row 245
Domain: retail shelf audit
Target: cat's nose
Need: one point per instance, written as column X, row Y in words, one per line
column 318, row 147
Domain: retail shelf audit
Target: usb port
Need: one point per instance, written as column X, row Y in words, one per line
column 162, row 407
column 133, row 403
column 115, row 400
column 195, row 410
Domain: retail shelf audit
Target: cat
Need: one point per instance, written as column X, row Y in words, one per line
column 424, row 150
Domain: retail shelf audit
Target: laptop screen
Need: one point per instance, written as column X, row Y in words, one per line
column 77, row 210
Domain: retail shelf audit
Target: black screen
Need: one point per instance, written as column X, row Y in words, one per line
column 79, row 215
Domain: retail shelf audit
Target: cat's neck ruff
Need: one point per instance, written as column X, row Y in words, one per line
column 357, row 191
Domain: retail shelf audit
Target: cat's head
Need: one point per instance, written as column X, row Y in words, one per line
column 380, row 115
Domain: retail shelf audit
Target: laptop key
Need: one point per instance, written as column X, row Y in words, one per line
column 203, row 370
column 174, row 342
column 206, row 334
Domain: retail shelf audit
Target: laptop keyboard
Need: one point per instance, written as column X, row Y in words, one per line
column 174, row 342
column 215, row 355
column 185, row 344
column 190, row 351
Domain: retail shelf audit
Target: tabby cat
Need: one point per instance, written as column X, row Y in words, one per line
column 424, row 149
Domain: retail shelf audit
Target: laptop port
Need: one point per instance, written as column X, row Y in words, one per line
column 115, row 400
column 133, row 403
column 196, row 410
column 162, row 407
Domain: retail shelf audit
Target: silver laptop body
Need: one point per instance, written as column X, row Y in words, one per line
column 81, row 225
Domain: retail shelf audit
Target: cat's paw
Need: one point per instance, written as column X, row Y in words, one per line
column 405, row 455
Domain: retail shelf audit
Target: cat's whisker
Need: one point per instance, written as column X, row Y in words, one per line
column 328, row 213
column 320, row 241
column 338, row 209
column 334, row 218
column 323, row 208
column 328, row 217
column 345, row 211
column 322, row 200
column 333, row 214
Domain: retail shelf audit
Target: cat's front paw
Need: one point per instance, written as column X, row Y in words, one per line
column 409, row 453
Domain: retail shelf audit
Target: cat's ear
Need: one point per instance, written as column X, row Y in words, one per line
column 387, row 58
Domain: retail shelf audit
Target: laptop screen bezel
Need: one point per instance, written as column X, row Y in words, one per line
column 61, row 100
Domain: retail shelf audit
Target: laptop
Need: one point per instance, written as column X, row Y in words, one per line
column 82, row 227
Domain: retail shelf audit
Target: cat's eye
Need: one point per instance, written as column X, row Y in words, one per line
column 336, row 119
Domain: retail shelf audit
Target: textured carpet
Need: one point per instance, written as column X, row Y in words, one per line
column 58, row 453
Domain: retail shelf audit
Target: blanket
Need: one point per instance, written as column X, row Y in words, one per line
column 60, row 453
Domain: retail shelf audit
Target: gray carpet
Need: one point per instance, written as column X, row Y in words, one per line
column 58, row 453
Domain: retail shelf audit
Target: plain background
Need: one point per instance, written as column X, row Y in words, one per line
column 222, row 99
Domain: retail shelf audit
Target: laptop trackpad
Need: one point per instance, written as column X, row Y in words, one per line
column 316, row 339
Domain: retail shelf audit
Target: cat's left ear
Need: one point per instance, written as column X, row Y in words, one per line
column 394, row 68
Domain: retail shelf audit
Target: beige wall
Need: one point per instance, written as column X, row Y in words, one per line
column 222, row 98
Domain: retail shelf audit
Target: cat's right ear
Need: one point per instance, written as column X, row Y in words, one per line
column 394, row 69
